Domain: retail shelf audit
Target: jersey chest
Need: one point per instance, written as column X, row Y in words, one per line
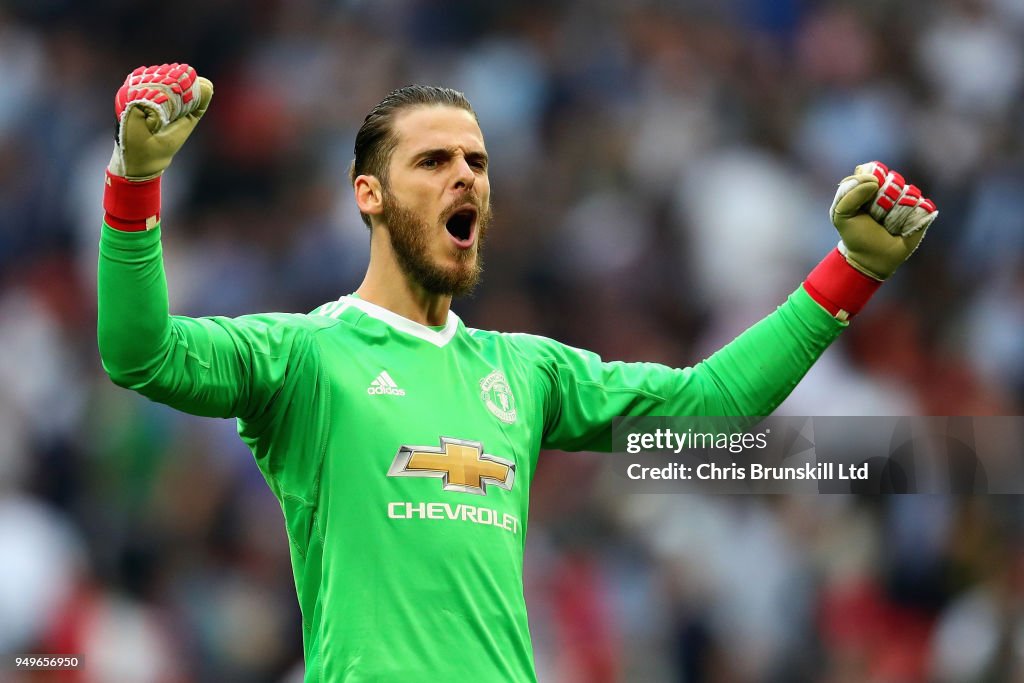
column 448, row 425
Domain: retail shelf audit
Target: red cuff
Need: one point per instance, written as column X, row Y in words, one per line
column 838, row 287
column 129, row 206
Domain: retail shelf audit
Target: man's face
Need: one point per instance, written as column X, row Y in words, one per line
column 436, row 204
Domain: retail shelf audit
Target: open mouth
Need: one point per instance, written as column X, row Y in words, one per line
column 460, row 225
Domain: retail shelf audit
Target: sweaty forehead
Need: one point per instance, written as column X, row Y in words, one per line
column 436, row 127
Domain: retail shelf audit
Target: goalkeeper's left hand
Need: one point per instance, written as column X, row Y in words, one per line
column 881, row 219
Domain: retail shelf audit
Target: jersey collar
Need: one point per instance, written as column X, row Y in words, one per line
column 438, row 338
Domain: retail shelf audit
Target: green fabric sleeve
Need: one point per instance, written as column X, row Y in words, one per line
column 218, row 367
column 748, row 377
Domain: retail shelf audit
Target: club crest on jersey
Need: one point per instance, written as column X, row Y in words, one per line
column 460, row 465
column 497, row 396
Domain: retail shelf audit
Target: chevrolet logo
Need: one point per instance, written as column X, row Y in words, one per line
column 461, row 465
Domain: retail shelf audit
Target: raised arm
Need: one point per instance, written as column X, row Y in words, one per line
column 210, row 366
column 881, row 219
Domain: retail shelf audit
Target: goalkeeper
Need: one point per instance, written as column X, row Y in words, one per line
column 401, row 443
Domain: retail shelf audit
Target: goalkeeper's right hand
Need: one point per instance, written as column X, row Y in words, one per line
column 157, row 108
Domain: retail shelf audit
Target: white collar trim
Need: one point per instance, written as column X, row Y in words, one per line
column 438, row 338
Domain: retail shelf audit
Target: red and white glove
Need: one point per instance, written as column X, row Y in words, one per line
column 898, row 205
column 881, row 220
column 157, row 108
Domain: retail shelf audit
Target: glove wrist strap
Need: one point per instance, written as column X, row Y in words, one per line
column 131, row 206
column 838, row 287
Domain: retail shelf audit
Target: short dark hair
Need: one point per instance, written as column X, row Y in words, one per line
column 376, row 140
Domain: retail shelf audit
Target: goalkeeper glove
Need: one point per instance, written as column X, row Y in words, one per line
column 880, row 218
column 157, row 108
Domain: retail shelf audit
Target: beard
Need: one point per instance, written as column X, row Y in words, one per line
column 410, row 238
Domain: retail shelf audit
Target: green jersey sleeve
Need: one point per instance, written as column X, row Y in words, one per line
column 216, row 366
column 748, row 377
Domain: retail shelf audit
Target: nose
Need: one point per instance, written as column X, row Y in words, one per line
column 464, row 178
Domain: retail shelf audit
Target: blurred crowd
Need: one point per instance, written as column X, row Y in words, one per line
column 661, row 176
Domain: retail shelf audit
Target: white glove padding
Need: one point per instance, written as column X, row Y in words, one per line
column 162, row 95
column 880, row 219
column 898, row 205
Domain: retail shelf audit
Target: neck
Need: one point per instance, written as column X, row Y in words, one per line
column 388, row 286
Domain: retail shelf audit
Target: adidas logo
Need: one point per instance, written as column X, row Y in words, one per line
column 383, row 384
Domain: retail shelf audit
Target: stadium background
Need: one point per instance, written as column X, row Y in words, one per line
column 661, row 175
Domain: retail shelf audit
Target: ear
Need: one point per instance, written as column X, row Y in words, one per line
column 369, row 195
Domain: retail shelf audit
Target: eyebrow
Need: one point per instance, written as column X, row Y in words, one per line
column 448, row 153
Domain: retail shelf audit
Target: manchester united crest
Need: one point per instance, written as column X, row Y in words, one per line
column 497, row 396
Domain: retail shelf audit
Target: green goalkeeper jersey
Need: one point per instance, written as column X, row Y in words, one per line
column 402, row 455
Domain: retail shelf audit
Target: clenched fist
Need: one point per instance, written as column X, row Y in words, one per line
column 157, row 108
column 881, row 219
